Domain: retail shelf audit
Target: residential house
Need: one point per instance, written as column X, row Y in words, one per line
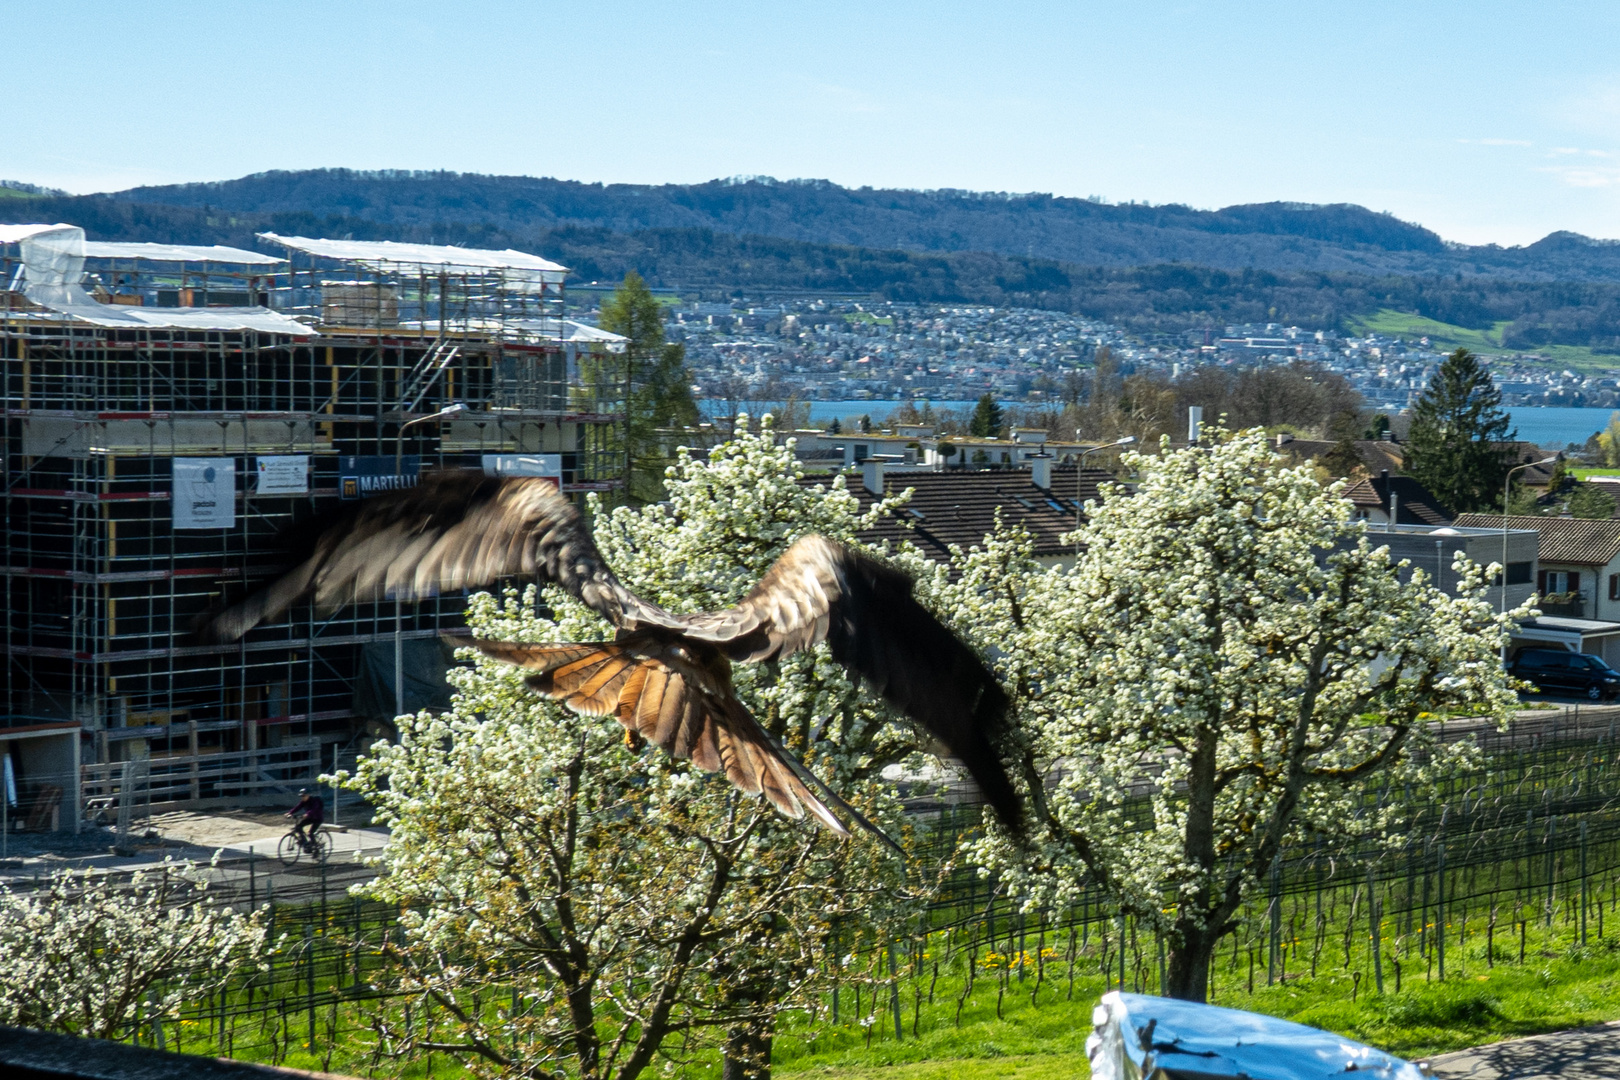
column 1376, row 455
column 990, row 452
column 1543, row 464
column 1579, row 572
column 1577, row 577
column 959, row 508
column 1383, row 499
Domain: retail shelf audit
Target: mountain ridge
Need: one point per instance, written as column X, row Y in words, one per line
column 1264, row 236
column 1525, row 289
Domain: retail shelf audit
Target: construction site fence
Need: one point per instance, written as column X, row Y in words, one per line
column 198, row 780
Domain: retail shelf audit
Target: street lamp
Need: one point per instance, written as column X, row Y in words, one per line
column 399, row 641
column 399, row 437
column 1079, row 468
column 1507, row 482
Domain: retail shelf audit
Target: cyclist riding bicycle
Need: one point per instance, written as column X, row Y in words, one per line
column 310, row 811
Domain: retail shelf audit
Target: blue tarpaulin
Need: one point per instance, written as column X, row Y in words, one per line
column 1139, row 1037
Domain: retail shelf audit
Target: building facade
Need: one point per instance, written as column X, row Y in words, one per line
column 171, row 412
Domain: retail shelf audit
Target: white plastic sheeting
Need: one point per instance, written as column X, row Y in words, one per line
column 194, row 253
column 259, row 319
column 53, row 263
column 539, row 330
column 11, row 234
column 522, row 272
column 1139, row 1037
column 567, row 330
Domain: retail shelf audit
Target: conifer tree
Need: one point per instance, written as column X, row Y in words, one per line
column 1590, row 501
column 1458, row 428
column 986, row 418
column 652, row 374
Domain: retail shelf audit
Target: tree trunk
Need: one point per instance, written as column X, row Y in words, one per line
column 1187, row 975
column 1193, row 938
column 748, row 1051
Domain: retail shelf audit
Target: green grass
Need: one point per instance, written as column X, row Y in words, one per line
column 1476, row 1004
column 868, row 317
column 1560, row 985
column 1028, row 1067
column 1392, row 323
column 1446, row 337
column 1582, row 474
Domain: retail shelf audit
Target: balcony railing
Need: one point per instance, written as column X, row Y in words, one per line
column 1564, row 605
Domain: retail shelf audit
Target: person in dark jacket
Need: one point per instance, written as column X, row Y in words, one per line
column 310, row 810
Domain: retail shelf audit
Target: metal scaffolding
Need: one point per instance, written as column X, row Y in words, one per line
column 344, row 350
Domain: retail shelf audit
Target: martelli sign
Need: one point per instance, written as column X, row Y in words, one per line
column 369, row 474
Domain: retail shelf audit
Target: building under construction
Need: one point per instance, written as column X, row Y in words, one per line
column 169, row 410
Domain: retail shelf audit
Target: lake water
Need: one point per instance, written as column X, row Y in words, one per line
column 823, row 411
column 1552, row 426
column 1556, row 427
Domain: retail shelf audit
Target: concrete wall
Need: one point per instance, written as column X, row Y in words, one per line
column 50, row 437
column 1432, row 550
column 47, row 755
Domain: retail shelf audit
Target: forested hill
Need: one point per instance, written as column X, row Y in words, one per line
column 1272, row 236
column 1146, row 298
column 1524, row 310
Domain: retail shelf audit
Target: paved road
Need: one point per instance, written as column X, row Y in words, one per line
column 244, row 845
column 1584, row 1054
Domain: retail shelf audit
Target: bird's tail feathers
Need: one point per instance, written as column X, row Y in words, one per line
column 654, row 702
column 810, row 779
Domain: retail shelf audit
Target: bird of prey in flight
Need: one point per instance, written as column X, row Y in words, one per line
column 666, row 677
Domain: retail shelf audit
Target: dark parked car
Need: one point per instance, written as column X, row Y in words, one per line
column 1568, row 674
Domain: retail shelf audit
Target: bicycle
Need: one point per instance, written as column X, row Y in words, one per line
column 293, row 847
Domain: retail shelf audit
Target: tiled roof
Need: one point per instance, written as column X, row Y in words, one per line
column 1414, row 503
column 1376, row 454
column 1527, row 453
column 1582, row 541
column 959, row 507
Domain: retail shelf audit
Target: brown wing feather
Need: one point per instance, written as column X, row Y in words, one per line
column 820, row 590
column 456, row 529
column 658, row 695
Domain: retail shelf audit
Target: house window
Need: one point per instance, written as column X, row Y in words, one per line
column 1614, row 586
column 1518, row 573
column 1559, row 581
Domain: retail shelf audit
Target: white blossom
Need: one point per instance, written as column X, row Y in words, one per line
column 1226, row 661
column 89, row 953
column 623, row 895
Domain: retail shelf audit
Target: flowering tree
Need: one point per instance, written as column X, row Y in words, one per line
column 89, row 954
column 623, row 907
column 1229, row 656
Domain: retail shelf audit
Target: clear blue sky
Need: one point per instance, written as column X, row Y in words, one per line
column 1489, row 122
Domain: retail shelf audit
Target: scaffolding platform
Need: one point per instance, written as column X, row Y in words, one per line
column 282, row 383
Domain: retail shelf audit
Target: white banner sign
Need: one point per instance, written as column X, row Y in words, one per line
column 546, row 465
column 204, row 493
column 283, row 475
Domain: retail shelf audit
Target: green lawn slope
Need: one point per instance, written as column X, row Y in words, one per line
column 1445, row 337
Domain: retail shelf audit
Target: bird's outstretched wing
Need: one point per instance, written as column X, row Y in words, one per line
column 456, row 529
column 653, row 689
column 820, row 590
